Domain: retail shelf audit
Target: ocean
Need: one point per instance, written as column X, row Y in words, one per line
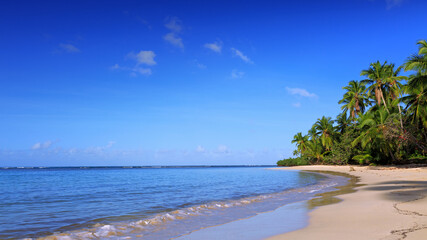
column 143, row 202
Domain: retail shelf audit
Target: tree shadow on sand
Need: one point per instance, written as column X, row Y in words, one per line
column 401, row 190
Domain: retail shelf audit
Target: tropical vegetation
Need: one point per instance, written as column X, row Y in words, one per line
column 383, row 119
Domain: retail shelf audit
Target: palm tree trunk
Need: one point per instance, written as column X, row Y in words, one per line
column 357, row 106
column 392, row 93
column 400, row 116
column 382, row 97
column 377, row 95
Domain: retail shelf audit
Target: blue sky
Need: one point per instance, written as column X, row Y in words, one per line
column 183, row 82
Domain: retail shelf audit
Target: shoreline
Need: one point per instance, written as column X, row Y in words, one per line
column 389, row 203
column 192, row 218
column 287, row 217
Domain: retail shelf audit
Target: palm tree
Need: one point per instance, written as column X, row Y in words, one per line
column 315, row 150
column 392, row 80
column 312, row 133
column 416, row 104
column 342, row 122
column 394, row 86
column 418, row 63
column 355, row 99
column 375, row 125
column 300, row 141
column 375, row 76
column 416, row 89
column 325, row 129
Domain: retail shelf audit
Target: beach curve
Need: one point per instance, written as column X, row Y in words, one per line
column 390, row 205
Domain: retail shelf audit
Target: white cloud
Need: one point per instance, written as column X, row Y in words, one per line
column 216, row 46
column 107, row 153
column 142, row 71
column 393, row 3
column 36, row 146
column 144, row 57
column 297, row 104
column 239, row 54
column 223, row 149
column 141, row 58
column 235, row 74
column 99, row 150
column 115, row 67
column 173, row 39
column 41, row 145
column 174, row 24
column 133, row 71
column 69, row 48
column 201, row 66
column 301, row 92
column 200, row 149
column 110, row 144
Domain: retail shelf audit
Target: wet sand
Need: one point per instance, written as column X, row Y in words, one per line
column 290, row 217
column 389, row 203
column 293, row 216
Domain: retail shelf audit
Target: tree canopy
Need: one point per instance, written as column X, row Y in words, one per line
column 383, row 119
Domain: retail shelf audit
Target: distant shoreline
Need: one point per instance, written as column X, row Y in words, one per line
column 391, row 204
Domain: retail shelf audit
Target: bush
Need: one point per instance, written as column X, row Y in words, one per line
column 363, row 158
column 342, row 152
column 417, row 158
column 298, row 161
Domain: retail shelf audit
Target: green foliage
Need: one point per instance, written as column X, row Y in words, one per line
column 363, row 158
column 342, row 151
column 325, row 131
column 301, row 142
column 299, row 161
column 355, row 99
column 386, row 121
column 417, row 158
column 343, row 122
column 315, row 151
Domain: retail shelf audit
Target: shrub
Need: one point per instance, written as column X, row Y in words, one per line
column 298, row 161
column 363, row 158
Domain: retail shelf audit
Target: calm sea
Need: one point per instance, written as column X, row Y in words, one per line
column 146, row 203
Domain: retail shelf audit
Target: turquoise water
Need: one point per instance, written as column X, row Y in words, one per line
column 147, row 203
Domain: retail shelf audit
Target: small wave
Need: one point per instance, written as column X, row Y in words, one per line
column 150, row 224
column 142, row 227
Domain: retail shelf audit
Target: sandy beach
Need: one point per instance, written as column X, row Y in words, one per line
column 390, row 204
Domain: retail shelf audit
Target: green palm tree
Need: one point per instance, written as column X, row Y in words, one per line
column 375, row 76
column 355, row 99
column 395, row 88
column 312, row 133
column 416, row 104
column 418, row 63
column 416, row 89
column 301, row 142
column 315, row 150
column 375, row 125
column 342, row 122
column 325, row 130
column 392, row 81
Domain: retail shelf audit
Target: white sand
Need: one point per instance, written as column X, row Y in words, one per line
column 391, row 205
